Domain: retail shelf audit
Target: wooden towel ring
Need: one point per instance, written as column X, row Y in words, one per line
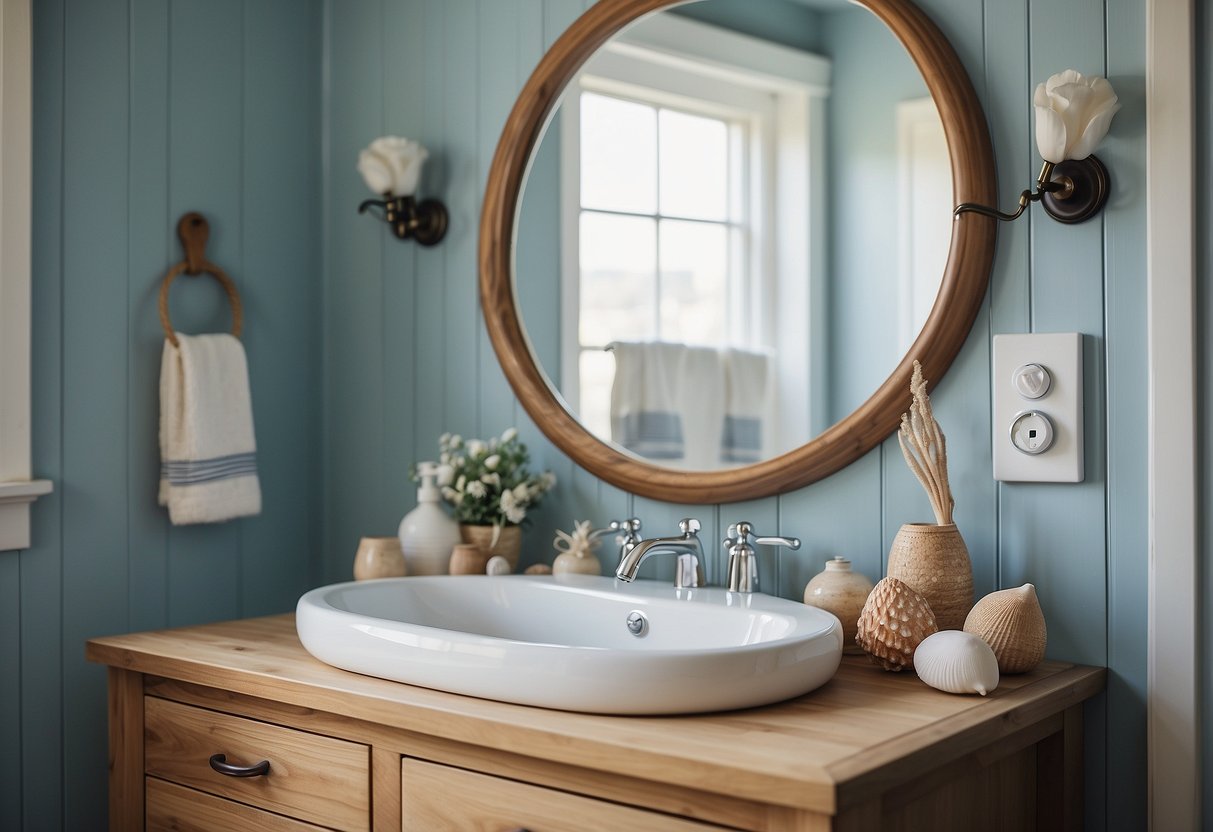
column 194, row 231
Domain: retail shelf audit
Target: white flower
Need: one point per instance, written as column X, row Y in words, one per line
column 449, row 494
column 513, row 512
column 477, row 490
column 491, row 479
column 492, row 462
column 522, row 492
column 548, row 480
column 444, row 439
column 445, row 474
column 392, row 165
column 475, row 447
column 461, row 483
column 1073, row 113
column 510, row 435
column 444, row 458
column 455, row 439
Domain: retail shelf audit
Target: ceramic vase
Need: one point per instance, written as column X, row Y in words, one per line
column 379, row 557
column 842, row 592
column 934, row 562
column 508, row 544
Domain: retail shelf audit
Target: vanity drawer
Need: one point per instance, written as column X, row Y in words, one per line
column 176, row 808
column 317, row 779
column 437, row 797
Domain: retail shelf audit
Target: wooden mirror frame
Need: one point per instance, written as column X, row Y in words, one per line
column 961, row 291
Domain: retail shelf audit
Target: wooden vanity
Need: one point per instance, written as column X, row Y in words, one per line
column 870, row 750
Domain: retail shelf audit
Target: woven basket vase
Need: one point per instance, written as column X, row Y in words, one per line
column 509, row 541
column 934, row 562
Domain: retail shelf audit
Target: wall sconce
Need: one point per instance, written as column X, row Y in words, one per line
column 1073, row 113
column 391, row 166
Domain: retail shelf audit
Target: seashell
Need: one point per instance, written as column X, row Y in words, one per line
column 498, row 565
column 956, row 662
column 1012, row 623
column 893, row 622
column 538, row 569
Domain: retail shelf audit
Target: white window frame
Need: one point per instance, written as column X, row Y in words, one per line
column 17, row 489
column 798, row 84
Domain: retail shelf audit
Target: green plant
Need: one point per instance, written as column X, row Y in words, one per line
column 488, row 482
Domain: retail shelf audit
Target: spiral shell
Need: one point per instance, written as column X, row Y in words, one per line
column 956, row 662
column 1012, row 623
column 894, row 620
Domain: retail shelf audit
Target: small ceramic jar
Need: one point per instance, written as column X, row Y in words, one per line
column 842, row 592
column 379, row 557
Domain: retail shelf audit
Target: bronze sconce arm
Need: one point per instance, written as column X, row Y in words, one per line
column 1071, row 192
column 424, row 221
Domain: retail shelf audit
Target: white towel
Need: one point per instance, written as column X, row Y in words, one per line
column 667, row 403
column 749, row 407
column 208, row 469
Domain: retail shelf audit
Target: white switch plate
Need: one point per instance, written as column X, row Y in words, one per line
column 1060, row 354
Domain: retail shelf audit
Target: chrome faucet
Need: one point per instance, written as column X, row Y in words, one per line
column 627, row 534
column 743, row 560
column 689, row 568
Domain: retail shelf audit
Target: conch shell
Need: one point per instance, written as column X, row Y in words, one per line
column 1012, row 623
column 956, row 662
column 893, row 622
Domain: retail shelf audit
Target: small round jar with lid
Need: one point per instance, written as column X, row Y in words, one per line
column 842, row 592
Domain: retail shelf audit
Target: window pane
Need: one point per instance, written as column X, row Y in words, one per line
column 597, row 376
column 618, row 154
column 694, row 166
column 618, row 278
column 694, row 288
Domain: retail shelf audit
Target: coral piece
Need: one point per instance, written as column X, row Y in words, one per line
column 956, row 662
column 926, row 449
column 894, row 621
column 1013, row 624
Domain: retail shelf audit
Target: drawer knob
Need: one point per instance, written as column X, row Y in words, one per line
column 220, row 764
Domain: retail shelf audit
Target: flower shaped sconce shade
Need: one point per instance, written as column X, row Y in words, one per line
column 392, row 166
column 1073, row 113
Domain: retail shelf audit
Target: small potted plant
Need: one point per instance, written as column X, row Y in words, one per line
column 491, row 489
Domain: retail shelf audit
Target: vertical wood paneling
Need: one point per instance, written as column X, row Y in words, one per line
column 1125, row 327
column 10, row 690
column 280, row 149
column 354, row 316
column 41, row 713
column 150, row 247
column 405, row 78
column 112, row 139
column 95, row 269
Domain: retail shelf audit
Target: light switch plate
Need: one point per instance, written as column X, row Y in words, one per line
column 1060, row 354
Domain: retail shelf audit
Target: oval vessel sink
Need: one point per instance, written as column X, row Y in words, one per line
column 567, row 642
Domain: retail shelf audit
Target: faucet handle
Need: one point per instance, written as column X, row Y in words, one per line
column 689, row 526
column 743, row 532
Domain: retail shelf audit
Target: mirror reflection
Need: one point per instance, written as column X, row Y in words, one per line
column 734, row 226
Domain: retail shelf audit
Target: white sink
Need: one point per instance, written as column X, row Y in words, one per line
column 565, row 642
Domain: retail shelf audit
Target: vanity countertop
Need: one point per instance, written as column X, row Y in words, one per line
column 865, row 731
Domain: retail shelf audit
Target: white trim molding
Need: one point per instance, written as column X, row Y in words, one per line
column 17, row 490
column 1173, row 664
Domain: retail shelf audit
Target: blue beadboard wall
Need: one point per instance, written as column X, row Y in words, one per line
column 145, row 109
column 406, row 356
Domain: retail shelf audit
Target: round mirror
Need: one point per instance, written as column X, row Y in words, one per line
column 714, row 239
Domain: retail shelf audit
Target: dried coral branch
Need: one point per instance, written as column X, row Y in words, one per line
column 925, row 449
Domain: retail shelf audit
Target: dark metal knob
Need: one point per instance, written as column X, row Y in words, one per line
column 220, row 764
